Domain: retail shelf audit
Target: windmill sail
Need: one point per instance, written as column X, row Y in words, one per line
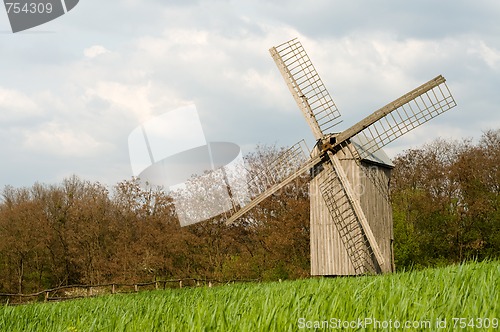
column 402, row 115
column 305, row 167
column 345, row 221
column 268, row 174
column 306, row 86
column 350, row 219
column 265, row 181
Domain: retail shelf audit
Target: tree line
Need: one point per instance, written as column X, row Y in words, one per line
column 446, row 202
column 445, row 196
column 81, row 232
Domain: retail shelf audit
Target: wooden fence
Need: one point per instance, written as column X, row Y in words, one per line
column 80, row 291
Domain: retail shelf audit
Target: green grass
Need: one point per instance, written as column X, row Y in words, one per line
column 469, row 291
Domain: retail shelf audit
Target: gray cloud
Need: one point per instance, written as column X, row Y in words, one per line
column 70, row 98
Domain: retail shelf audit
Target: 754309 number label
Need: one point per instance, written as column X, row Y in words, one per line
column 475, row 323
column 26, row 14
column 32, row 7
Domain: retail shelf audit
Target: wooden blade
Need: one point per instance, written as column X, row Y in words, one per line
column 402, row 115
column 306, row 87
column 350, row 219
column 305, row 167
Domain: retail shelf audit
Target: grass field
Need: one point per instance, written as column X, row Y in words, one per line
column 465, row 297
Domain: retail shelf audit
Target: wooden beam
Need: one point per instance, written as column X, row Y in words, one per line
column 297, row 94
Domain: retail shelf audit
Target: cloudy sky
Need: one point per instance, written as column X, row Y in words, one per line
column 72, row 90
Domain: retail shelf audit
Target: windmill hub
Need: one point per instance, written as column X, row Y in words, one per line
column 328, row 143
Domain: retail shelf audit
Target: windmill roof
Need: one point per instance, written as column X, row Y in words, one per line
column 377, row 157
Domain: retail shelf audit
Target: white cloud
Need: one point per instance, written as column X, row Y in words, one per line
column 489, row 55
column 57, row 140
column 95, row 51
column 16, row 105
column 139, row 101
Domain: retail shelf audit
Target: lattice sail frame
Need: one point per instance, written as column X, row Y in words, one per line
column 306, row 86
column 347, row 222
column 266, row 181
column 402, row 115
column 287, row 163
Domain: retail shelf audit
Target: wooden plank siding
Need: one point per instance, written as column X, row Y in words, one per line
column 329, row 256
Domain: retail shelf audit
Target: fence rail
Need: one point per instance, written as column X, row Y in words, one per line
column 80, row 291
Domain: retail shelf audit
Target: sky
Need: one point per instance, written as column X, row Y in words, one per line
column 74, row 89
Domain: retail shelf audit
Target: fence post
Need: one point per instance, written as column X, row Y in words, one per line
column 89, row 288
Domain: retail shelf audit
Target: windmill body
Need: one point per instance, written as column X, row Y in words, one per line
column 351, row 215
column 333, row 243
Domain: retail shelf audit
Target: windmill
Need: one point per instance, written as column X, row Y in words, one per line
column 351, row 218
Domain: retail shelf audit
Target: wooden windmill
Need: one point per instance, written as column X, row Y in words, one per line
column 351, row 218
